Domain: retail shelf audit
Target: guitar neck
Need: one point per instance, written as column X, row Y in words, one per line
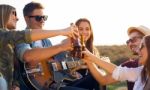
column 73, row 64
column 65, row 65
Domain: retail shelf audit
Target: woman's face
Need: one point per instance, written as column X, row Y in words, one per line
column 85, row 30
column 12, row 20
column 143, row 53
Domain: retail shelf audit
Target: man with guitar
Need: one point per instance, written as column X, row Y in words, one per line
column 35, row 58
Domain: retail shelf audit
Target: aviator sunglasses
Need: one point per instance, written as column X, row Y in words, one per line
column 133, row 40
column 39, row 18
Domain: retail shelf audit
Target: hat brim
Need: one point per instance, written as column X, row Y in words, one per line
column 140, row 29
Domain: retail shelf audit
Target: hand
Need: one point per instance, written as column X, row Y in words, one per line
column 88, row 56
column 66, row 44
column 71, row 31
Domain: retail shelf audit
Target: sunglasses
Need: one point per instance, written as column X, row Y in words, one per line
column 133, row 40
column 39, row 18
column 14, row 13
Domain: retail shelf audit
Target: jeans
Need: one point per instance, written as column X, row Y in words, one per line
column 88, row 82
column 3, row 84
column 71, row 88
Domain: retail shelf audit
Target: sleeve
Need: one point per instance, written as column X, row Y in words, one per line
column 123, row 73
column 16, row 37
column 20, row 50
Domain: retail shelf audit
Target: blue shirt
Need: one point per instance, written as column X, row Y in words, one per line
column 21, row 48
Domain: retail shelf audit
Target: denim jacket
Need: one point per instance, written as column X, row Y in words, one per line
column 21, row 48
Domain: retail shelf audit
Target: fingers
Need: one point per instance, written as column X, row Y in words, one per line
column 74, row 30
column 86, row 52
column 88, row 56
column 67, row 44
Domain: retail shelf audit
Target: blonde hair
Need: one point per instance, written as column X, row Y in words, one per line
column 5, row 11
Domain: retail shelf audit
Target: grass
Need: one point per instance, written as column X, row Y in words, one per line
column 117, row 86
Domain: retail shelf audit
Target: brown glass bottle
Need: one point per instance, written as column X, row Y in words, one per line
column 82, row 45
column 77, row 48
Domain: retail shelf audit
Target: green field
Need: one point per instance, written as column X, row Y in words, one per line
column 117, row 86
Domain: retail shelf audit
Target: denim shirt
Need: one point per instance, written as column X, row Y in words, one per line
column 21, row 48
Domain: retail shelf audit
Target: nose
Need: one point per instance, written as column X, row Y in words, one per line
column 84, row 32
column 17, row 19
column 42, row 20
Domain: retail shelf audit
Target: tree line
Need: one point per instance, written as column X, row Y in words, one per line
column 116, row 53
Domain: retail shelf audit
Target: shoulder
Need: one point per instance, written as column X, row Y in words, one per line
column 130, row 63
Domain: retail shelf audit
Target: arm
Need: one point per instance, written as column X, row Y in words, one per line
column 27, row 54
column 89, row 57
column 118, row 72
column 98, row 75
column 27, row 36
column 37, row 34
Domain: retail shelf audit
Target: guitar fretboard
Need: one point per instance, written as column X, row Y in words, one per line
column 64, row 65
column 73, row 64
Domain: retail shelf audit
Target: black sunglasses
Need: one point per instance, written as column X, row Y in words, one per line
column 133, row 40
column 39, row 18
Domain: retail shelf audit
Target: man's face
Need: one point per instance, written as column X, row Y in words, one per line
column 134, row 41
column 36, row 20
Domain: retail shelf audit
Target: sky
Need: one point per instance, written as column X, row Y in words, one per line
column 110, row 19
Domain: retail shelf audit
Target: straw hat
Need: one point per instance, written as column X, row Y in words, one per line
column 141, row 28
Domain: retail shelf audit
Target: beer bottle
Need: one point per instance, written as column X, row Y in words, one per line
column 82, row 45
column 77, row 48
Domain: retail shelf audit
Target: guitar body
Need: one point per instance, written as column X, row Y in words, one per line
column 37, row 76
column 59, row 73
column 40, row 76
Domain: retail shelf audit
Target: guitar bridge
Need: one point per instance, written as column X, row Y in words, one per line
column 35, row 70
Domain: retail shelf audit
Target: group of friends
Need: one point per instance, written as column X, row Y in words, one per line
column 31, row 46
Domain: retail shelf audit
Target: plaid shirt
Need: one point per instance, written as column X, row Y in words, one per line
column 8, row 39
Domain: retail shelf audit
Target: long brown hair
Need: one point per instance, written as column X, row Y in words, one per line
column 89, row 43
column 5, row 11
column 146, row 70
